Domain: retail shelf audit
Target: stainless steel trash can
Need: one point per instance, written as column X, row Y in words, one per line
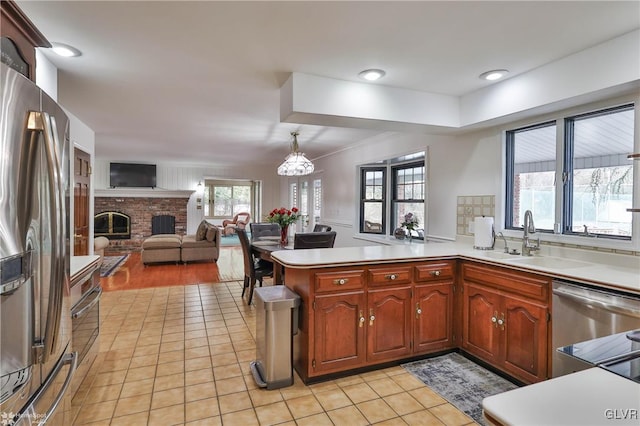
column 276, row 323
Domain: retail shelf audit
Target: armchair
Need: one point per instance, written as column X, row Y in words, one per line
column 239, row 221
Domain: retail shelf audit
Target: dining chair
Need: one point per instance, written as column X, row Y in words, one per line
column 264, row 229
column 254, row 269
column 321, row 228
column 308, row 240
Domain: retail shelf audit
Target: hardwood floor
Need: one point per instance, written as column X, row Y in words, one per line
column 134, row 275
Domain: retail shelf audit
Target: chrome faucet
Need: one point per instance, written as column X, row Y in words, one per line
column 501, row 235
column 529, row 228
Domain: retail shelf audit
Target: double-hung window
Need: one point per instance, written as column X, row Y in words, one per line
column 408, row 195
column 391, row 189
column 373, row 188
column 573, row 174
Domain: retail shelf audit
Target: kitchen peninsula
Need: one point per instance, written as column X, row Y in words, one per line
column 364, row 306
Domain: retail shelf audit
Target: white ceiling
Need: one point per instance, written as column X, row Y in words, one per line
column 198, row 82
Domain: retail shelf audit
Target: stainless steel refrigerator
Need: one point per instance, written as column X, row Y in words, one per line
column 36, row 362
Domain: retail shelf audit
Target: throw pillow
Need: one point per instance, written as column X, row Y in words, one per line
column 201, row 233
column 211, row 233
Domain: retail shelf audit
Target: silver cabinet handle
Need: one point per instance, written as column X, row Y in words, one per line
column 391, row 277
column 435, row 273
column 341, row 281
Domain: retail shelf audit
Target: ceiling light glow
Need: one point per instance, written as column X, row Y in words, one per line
column 65, row 50
column 372, row 74
column 493, row 75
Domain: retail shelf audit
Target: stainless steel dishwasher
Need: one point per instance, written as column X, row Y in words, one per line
column 582, row 313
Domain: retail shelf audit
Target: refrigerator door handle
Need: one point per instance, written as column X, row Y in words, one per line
column 30, row 411
column 41, row 122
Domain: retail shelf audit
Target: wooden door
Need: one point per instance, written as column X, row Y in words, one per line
column 525, row 339
column 81, row 190
column 432, row 311
column 339, row 332
column 480, row 331
column 388, row 323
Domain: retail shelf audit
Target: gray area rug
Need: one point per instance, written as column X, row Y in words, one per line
column 460, row 381
column 110, row 264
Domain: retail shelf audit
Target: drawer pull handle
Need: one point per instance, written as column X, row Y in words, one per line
column 371, row 317
column 494, row 319
column 418, row 310
column 341, row 281
column 391, row 277
column 435, row 273
column 361, row 320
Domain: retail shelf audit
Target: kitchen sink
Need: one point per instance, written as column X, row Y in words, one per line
column 550, row 262
column 497, row 255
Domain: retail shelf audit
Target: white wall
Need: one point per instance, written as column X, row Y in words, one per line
column 466, row 164
column 340, row 180
column 46, row 75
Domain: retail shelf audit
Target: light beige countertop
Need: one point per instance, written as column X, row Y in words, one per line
column 583, row 266
column 82, row 266
column 588, row 397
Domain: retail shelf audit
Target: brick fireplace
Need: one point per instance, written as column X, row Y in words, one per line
column 141, row 210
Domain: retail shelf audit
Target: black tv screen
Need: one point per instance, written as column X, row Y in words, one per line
column 129, row 175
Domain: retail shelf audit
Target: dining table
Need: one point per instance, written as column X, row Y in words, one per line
column 263, row 248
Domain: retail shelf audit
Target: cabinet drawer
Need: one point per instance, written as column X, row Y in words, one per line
column 434, row 271
column 339, row 280
column 392, row 275
column 524, row 284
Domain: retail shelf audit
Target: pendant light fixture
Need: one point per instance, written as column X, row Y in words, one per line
column 296, row 164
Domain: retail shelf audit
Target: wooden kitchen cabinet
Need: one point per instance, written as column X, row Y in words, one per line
column 353, row 317
column 388, row 323
column 433, row 306
column 480, row 327
column 20, row 37
column 339, row 334
column 433, row 317
column 503, row 327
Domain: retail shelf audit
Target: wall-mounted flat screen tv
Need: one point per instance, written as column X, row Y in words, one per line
column 130, row 175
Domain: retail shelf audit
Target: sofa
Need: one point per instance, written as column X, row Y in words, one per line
column 203, row 245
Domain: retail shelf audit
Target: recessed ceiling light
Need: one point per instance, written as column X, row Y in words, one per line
column 372, row 74
column 65, row 50
column 493, row 75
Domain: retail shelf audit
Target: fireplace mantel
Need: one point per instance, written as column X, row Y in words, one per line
column 143, row 192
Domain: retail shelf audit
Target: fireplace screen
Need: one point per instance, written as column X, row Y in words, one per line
column 114, row 225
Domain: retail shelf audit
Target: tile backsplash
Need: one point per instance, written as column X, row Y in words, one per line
column 470, row 206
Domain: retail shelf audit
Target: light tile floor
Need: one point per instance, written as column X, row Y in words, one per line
column 180, row 355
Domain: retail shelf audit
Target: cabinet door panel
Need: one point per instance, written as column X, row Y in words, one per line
column 432, row 310
column 389, row 332
column 525, row 344
column 339, row 333
column 480, row 332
